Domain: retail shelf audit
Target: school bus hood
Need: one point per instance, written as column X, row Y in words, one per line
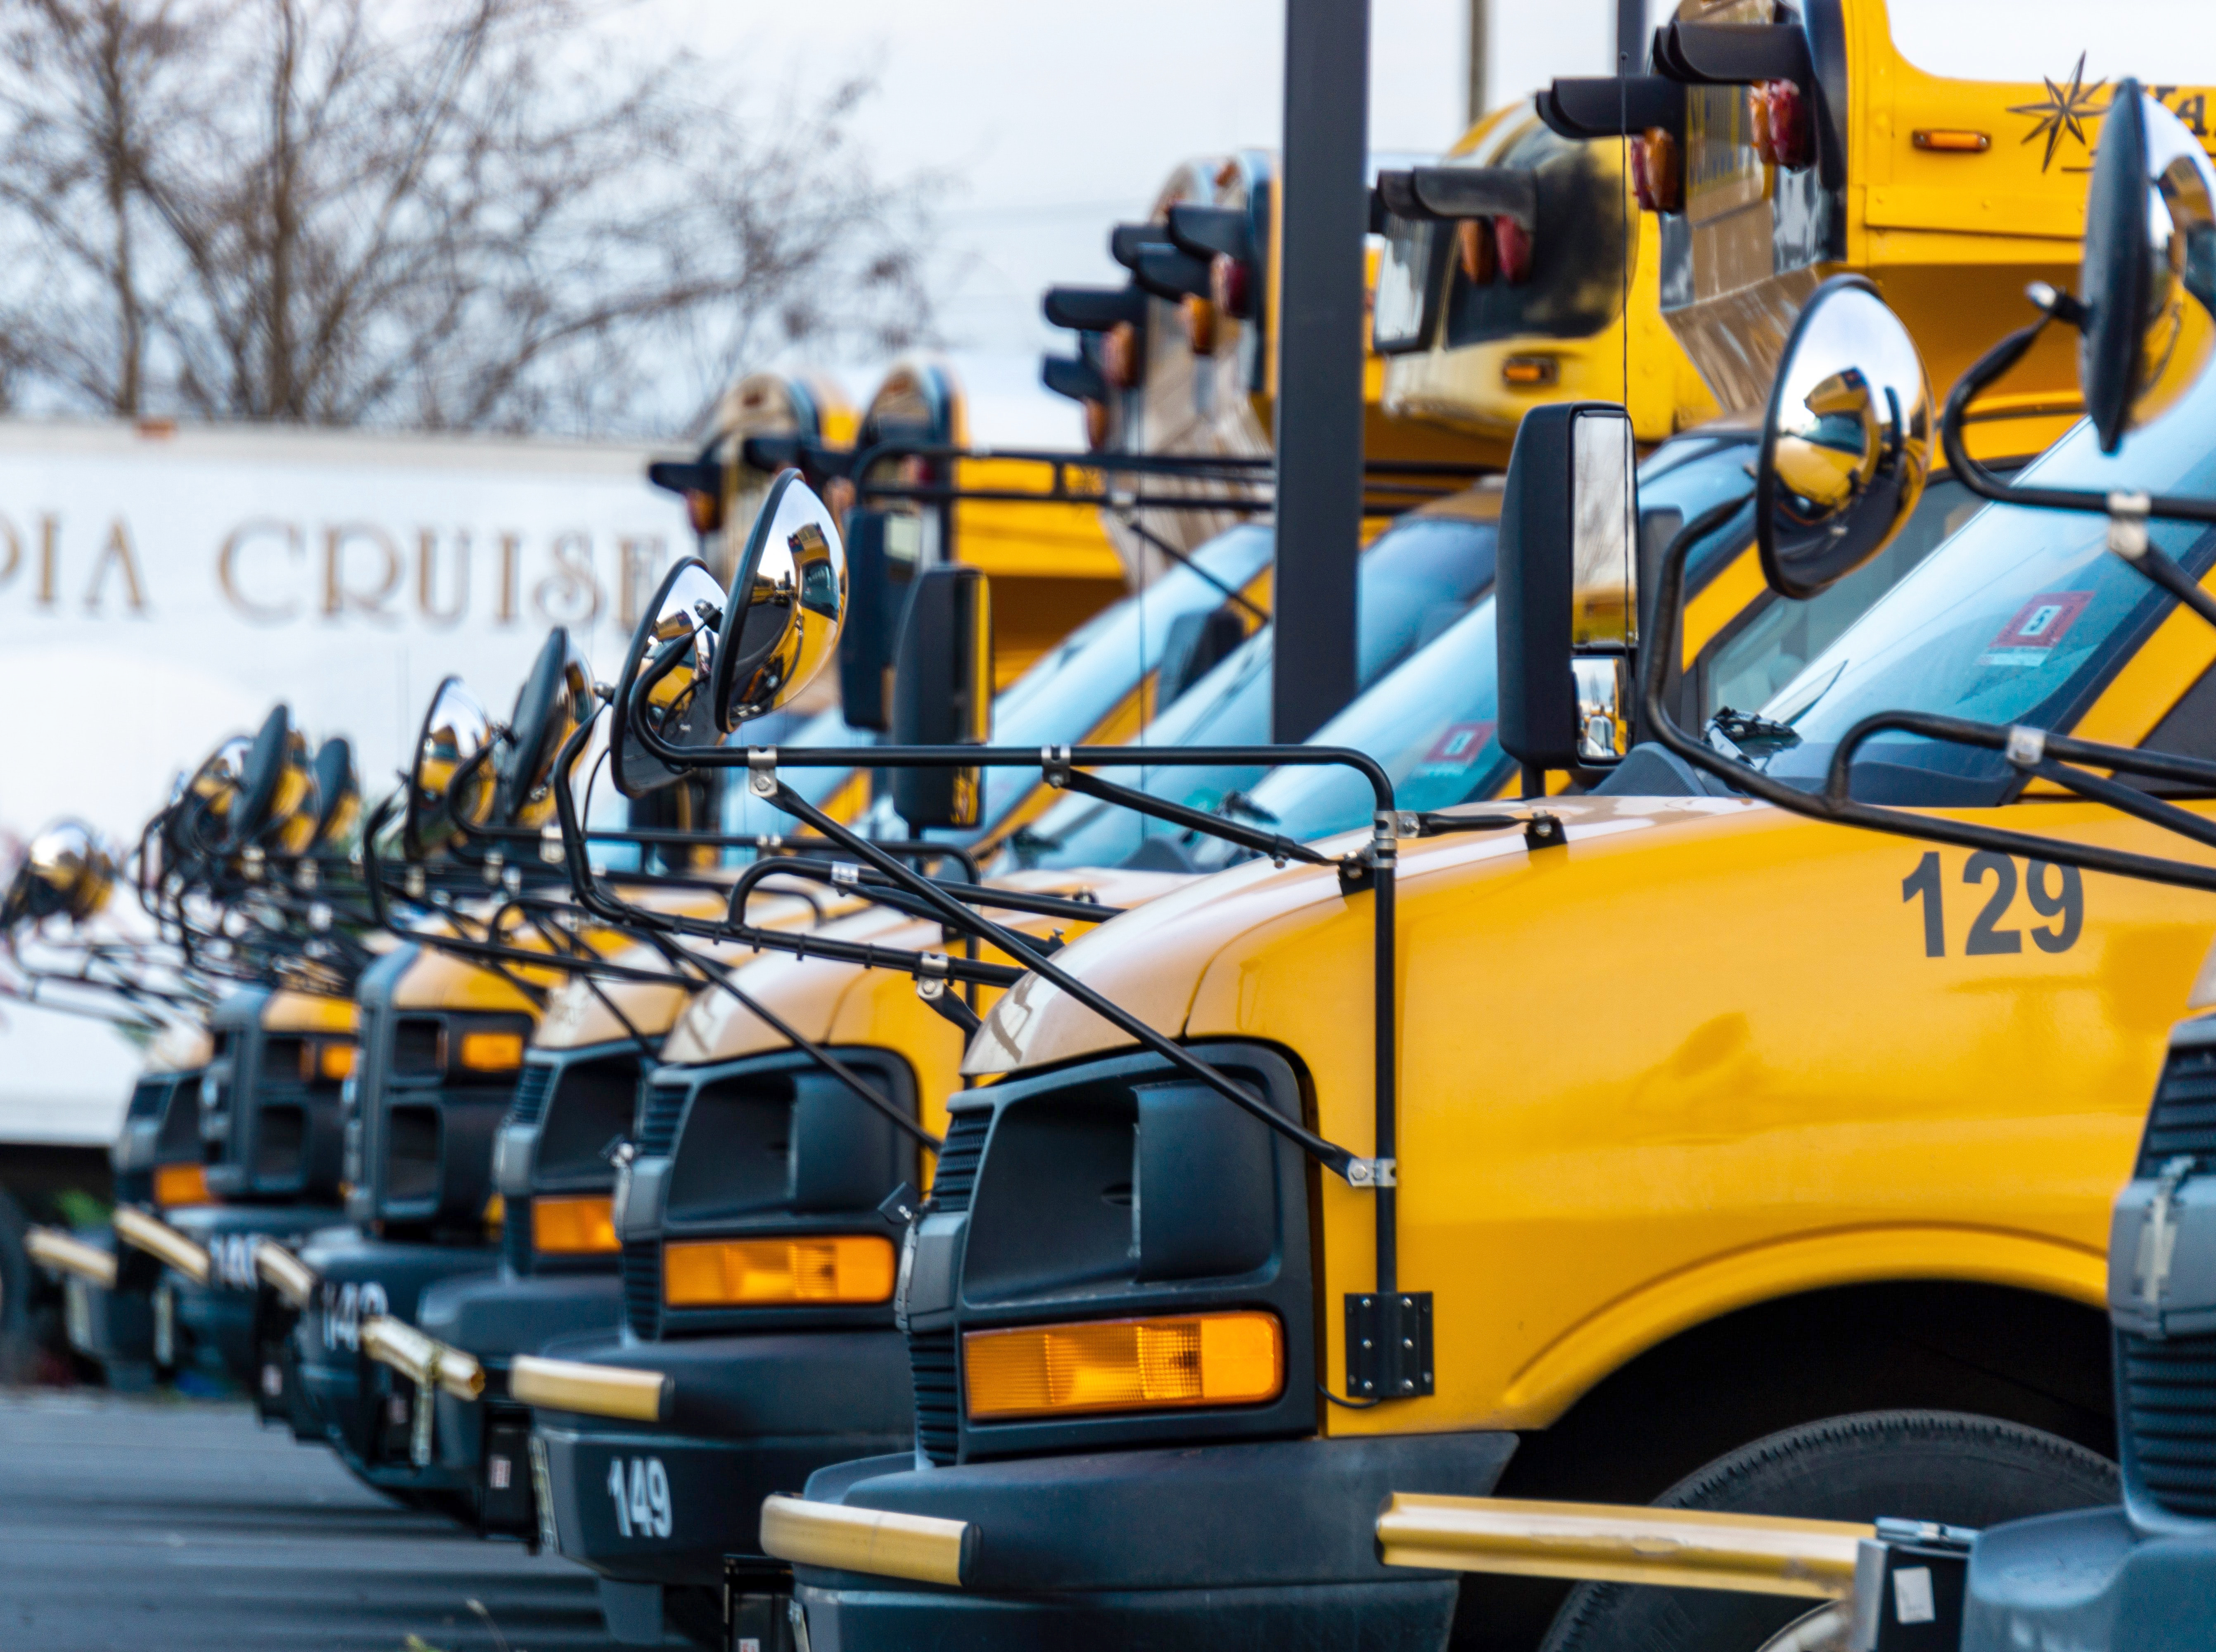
column 1154, row 962
column 837, row 1002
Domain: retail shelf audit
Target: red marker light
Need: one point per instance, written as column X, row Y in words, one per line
column 1512, row 241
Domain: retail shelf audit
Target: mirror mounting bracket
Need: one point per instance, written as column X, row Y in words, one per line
column 761, row 771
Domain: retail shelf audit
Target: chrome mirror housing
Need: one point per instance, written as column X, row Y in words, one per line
column 556, row 697
column 786, row 604
column 666, row 676
column 338, row 795
column 1846, row 444
column 276, row 789
column 2150, row 248
column 66, row 871
column 455, row 731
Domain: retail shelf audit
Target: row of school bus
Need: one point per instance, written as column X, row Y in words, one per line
column 1612, row 1143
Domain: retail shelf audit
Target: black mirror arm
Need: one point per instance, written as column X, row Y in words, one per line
column 1836, row 807
column 1982, row 374
column 1271, row 844
column 649, row 925
column 711, row 977
column 1333, row 1157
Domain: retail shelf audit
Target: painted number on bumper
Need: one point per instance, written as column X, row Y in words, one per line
column 640, row 1488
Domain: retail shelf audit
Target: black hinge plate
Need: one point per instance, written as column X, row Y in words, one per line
column 1388, row 1345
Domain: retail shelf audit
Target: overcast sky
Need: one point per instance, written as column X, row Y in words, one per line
column 1054, row 119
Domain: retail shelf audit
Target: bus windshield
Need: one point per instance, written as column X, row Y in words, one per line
column 2022, row 617
column 1430, row 724
column 1416, row 580
column 1073, row 688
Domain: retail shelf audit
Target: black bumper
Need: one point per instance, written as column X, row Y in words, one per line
column 1257, row 1545
column 113, row 1328
column 215, row 1322
column 752, row 1414
column 2088, row 1581
column 362, row 1408
column 496, row 1317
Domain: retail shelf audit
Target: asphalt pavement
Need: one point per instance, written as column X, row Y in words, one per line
column 165, row 1525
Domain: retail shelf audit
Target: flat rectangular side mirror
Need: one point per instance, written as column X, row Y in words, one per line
column 881, row 555
column 943, row 692
column 1568, row 601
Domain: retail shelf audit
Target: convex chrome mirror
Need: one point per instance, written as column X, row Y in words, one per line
column 788, row 600
column 2150, row 248
column 556, row 697
column 65, row 871
column 338, row 795
column 1846, row 446
column 665, row 679
column 703, row 660
column 442, row 797
column 276, row 789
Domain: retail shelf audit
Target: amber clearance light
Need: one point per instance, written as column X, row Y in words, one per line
column 1124, row 1364
column 492, row 1053
column 179, row 1184
column 581, row 1226
column 845, row 1267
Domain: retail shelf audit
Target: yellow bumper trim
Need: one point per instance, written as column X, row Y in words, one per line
column 61, row 1252
column 1753, row 1554
column 285, row 1274
column 424, row 1360
column 913, row 1546
column 164, row 1243
column 591, row 1390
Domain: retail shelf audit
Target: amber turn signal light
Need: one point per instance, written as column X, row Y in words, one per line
column 492, row 1053
column 845, row 1267
column 1531, row 372
column 179, row 1184
column 583, row 1225
column 1947, row 141
column 1124, row 1364
column 334, row 1062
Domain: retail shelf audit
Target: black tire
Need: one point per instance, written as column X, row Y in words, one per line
column 1931, row 1465
column 18, row 1350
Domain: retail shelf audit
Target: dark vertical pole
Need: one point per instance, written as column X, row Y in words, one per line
column 1630, row 37
column 1475, row 63
column 1324, row 204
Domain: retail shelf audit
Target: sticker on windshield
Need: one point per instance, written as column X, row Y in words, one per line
column 2029, row 638
column 1459, row 746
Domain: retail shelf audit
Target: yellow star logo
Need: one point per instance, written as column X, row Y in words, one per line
column 2062, row 110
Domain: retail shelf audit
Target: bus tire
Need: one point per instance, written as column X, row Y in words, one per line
column 1931, row 1465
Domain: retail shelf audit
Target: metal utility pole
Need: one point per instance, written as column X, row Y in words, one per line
column 1474, row 65
column 1323, row 197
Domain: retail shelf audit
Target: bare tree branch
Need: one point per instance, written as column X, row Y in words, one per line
column 486, row 216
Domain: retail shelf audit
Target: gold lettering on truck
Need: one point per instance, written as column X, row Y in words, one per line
column 226, row 568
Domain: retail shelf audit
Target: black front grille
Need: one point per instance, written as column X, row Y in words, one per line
column 931, row 1364
column 147, row 1096
column 2184, row 1116
column 2169, row 1408
column 658, row 1115
column 642, row 1287
column 532, row 1091
column 516, row 1233
column 956, row 1177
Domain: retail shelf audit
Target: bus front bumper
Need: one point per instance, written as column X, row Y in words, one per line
column 746, row 1417
column 1259, row 1544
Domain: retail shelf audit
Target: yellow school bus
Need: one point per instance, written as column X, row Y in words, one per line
column 1737, row 1153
